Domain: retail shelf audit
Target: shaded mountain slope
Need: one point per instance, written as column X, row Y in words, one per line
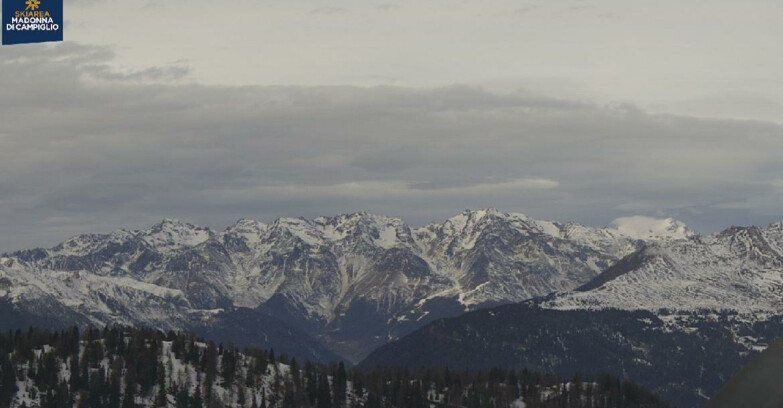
column 759, row 384
column 683, row 366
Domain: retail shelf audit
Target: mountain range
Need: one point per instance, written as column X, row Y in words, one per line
column 646, row 299
column 354, row 282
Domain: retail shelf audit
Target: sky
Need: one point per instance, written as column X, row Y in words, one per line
column 571, row 110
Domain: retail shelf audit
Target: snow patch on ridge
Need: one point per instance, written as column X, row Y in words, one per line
column 388, row 237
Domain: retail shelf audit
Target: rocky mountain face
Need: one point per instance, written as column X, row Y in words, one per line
column 678, row 316
column 353, row 282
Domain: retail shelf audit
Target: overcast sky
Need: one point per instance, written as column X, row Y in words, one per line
column 569, row 110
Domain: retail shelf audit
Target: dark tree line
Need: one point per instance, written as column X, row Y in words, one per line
column 123, row 367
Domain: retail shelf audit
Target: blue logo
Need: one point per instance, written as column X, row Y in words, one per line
column 32, row 21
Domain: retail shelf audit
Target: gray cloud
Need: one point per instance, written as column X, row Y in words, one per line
column 160, row 74
column 526, row 9
column 86, row 149
column 388, row 7
column 328, row 10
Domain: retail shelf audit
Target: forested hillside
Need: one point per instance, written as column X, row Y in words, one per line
column 127, row 367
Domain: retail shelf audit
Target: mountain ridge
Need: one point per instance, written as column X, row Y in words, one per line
column 330, row 277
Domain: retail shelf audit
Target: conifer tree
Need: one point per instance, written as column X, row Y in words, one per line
column 340, row 383
column 161, row 399
column 7, row 380
column 324, row 398
column 241, row 397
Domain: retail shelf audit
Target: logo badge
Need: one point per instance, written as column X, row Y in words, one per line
column 32, row 21
column 32, row 4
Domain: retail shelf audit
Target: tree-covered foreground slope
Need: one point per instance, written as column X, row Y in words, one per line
column 126, row 367
column 758, row 385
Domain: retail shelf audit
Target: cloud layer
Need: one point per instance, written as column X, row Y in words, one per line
column 85, row 149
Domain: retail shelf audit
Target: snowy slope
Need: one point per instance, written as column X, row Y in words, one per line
column 740, row 269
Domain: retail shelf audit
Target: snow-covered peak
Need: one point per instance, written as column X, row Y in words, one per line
column 247, row 226
column 79, row 244
column 470, row 219
column 376, row 230
column 84, row 244
column 172, row 234
column 485, row 213
column 355, row 219
column 170, row 223
column 470, row 223
column 464, row 229
column 300, row 228
column 651, row 229
column 250, row 231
